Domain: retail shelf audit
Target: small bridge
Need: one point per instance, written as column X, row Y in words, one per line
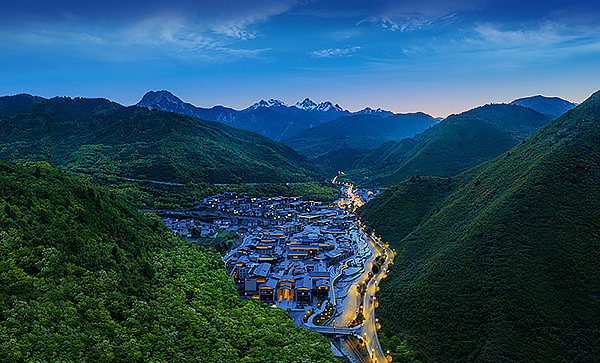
column 338, row 331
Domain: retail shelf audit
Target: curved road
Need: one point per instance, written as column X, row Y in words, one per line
column 351, row 302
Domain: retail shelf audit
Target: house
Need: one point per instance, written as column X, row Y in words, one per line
column 289, row 227
column 260, row 272
column 222, row 223
column 334, row 230
column 285, row 288
column 296, row 254
column 241, row 269
column 267, row 290
column 263, row 258
column 299, row 268
column 338, row 255
column 322, row 287
column 308, row 218
column 250, row 288
column 303, row 288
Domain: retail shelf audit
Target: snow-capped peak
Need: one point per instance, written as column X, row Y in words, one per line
column 271, row 103
column 378, row 111
column 369, row 110
column 307, row 105
column 328, row 106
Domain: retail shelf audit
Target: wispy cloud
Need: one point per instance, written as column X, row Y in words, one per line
column 157, row 38
column 409, row 22
column 494, row 46
column 330, row 53
column 558, row 38
column 404, row 16
column 151, row 29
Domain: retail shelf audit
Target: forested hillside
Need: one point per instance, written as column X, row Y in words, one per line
column 358, row 131
column 454, row 145
column 520, row 122
column 95, row 135
column 86, row 278
column 500, row 263
column 104, row 139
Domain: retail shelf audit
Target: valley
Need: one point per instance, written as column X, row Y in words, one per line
column 300, row 181
column 311, row 260
column 419, row 223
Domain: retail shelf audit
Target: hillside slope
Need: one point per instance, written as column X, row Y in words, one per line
column 454, row 145
column 87, row 278
column 358, row 131
column 499, row 264
column 520, row 122
column 550, row 106
column 98, row 136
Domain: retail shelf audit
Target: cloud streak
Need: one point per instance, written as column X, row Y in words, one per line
column 489, row 45
column 202, row 29
column 121, row 31
column 331, row 53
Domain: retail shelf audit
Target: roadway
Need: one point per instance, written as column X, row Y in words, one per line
column 351, row 302
column 370, row 324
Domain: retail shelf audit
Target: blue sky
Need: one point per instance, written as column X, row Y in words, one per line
column 434, row 56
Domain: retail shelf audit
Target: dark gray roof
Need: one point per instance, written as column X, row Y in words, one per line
column 262, row 269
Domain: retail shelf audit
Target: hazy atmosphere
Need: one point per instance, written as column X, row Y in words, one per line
column 439, row 57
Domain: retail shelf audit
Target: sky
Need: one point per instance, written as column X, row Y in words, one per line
column 435, row 56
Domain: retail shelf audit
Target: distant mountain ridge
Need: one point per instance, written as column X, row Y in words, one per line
column 450, row 147
column 261, row 117
column 272, row 118
column 93, row 136
column 550, row 106
column 366, row 131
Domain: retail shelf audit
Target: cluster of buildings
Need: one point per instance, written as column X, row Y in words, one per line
column 289, row 248
column 354, row 197
column 188, row 227
column 265, row 207
column 180, row 227
column 291, row 263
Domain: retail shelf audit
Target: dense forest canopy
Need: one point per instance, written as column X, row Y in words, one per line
column 500, row 263
column 84, row 277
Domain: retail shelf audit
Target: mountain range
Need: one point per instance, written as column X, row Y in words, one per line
column 96, row 135
column 550, row 106
column 272, row 118
column 499, row 263
column 493, row 214
column 446, row 149
column 366, row 131
column 115, row 144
